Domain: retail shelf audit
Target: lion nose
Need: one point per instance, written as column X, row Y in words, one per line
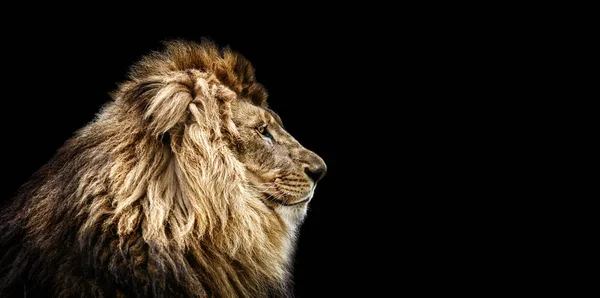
column 316, row 173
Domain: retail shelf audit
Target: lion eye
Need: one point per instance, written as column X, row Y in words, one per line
column 263, row 131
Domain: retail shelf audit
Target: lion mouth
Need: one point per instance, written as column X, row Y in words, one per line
column 291, row 204
column 270, row 199
column 282, row 199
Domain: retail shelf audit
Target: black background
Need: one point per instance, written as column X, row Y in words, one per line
column 387, row 104
column 323, row 84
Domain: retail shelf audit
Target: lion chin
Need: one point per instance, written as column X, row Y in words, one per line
column 185, row 185
column 292, row 212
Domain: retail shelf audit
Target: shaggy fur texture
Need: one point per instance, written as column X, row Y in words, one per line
column 185, row 185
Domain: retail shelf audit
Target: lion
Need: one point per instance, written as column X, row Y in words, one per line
column 186, row 184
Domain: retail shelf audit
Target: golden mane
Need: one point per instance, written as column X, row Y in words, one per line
column 230, row 68
column 148, row 200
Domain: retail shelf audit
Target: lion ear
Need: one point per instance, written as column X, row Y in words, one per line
column 161, row 102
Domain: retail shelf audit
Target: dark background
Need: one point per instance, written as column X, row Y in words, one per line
column 322, row 84
column 398, row 108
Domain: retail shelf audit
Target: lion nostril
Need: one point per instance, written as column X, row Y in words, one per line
column 315, row 174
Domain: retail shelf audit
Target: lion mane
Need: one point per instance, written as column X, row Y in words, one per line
column 147, row 200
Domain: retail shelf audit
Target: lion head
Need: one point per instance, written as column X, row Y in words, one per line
column 275, row 163
column 186, row 184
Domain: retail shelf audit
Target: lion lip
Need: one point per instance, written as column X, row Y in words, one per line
column 296, row 203
column 282, row 203
column 285, row 203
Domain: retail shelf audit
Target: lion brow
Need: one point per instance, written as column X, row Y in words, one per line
column 277, row 118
